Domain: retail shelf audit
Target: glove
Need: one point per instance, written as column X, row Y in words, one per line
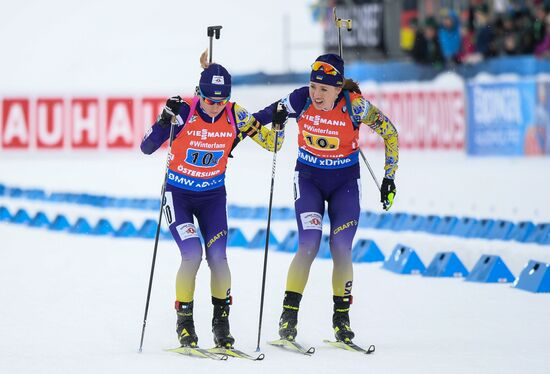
column 280, row 115
column 387, row 193
column 171, row 109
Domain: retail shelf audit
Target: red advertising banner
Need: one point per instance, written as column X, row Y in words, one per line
column 84, row 123
column 425, row 119
column 50, row 123
column 120, row 132
column 76, row 123
column 15, row 128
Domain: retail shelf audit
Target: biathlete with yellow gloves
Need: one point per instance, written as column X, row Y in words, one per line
column 328, row 113
column 208, row 127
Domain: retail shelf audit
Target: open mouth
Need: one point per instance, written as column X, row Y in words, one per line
column 319, row 101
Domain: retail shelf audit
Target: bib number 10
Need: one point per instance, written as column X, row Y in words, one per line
column 204, row 159
column 321, row 142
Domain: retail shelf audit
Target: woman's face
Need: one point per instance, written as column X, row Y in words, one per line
column 323, row 96
column 212, row 108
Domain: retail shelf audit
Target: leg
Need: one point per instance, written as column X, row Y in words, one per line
column 310, row 207
column 179, row 215
column 212, row 218
column 180, row 220
column 344, row 209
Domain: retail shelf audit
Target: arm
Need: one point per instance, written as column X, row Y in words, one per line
column 378, row 122
column 293, row 103
column 154, row 138
column 249, row 126
column 160, row 131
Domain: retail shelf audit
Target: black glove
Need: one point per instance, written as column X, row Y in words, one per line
column 280, row 115
column 387, row 193
column 171, row 109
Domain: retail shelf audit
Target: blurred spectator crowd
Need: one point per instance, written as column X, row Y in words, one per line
column 482, row 31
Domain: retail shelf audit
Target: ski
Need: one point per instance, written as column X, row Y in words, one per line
column 198, row 352
column 293, row 346
column 231, row 352
column 350, row 346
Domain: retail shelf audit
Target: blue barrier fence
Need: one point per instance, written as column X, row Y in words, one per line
column 403, row 260
column 465, row 227
column 535, row 277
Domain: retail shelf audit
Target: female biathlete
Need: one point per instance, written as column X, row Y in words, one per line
column 207, row 128
column 328, row 113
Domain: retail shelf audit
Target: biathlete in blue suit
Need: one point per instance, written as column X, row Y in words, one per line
column 207, row 128
column 328, row 113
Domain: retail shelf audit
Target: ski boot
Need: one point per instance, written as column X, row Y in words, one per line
column 289, row 317
column 185, row 326
column 220, row 323
column 340, row 319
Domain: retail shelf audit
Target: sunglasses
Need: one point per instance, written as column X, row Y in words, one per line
column 210, row 101
column 325, row 67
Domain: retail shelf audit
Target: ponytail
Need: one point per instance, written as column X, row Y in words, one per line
column 351, row 85
column 204, row 59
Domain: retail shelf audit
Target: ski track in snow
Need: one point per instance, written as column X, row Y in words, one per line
column 76, row 303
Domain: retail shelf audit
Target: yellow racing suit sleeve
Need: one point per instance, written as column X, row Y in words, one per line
column 371, row 116
column 249, row 126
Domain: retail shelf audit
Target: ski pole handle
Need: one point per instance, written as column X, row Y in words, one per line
column 213, row 31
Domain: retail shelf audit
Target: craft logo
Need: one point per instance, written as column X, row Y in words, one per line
column 215, row 238
column 345, row 226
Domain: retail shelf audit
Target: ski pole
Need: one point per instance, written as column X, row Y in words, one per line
column 157, row 233
column 268, row 230
column 340, row 23
column 212, row 31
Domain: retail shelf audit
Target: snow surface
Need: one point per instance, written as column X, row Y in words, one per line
column 74, row 303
